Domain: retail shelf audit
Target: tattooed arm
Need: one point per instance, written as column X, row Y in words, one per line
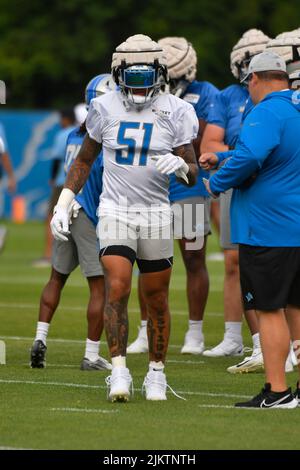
column 80, row 169
column 187, row 152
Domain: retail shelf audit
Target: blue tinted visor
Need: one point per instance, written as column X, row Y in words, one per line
column 139, row 78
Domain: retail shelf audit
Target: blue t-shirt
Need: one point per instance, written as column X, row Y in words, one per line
column 58, row 152
column 201, row 95
column 88, row 197
column 227, row 111
column 266, row 210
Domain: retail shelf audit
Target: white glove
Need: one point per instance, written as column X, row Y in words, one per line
column 60, row 223
column 73, row 210
column 170, row 163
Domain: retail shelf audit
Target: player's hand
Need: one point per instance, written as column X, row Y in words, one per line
column 208, row 161
column 170, row 163
column 60, row 223
column 73, row 210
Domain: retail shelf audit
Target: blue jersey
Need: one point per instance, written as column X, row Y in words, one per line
column 265, row 211
column 88, row 197
column 3, row 137
column 227, row 111
column 201, row 95
column 58, row 152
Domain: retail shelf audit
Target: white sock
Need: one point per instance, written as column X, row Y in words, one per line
column 118, row 361
column 143, row 323
column 256, row 341
column 42, row 331
column 233, row 330
column 156, row 366
column 92, row 350
column 196, row 327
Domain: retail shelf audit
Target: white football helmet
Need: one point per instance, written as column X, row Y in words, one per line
column 139, row 67
column 287, row 45
column 251, row 43
column 181, row 61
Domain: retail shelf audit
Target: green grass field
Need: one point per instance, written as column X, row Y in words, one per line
column 62, row 407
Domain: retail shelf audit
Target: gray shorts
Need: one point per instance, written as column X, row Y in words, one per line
column 225, row 236
column 148, row 242
column 81, row 249
column 185, row 222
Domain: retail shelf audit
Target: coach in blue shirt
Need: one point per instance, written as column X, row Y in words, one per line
column 264, row 169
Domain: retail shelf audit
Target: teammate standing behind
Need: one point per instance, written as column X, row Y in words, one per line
column 182, row 67
column 81, row 248
column 221, row 134
column 6, row 165
column 57, row 177
column 145, row 136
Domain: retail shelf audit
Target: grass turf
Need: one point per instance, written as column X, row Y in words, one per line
column 62, row 407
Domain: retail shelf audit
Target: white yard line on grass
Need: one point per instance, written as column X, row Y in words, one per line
column 39, row 281
column 84, row 410
column 51, row 340
column 76, row 366
column 80, row 308
column 74, row 385
column 13, row 448
column 230, row 407
column 62, row 340
column 174, row 361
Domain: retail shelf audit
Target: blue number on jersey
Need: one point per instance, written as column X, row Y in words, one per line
column 131, row 143
column 71, row 153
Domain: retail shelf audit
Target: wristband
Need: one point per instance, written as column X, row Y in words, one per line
column 65, row 198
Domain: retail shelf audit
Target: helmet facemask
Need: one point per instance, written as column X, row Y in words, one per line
column 243, row 68
column 140, row 83
column 178, row 86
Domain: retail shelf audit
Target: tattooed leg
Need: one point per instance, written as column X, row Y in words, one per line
column 155, row 288
column 118, row 273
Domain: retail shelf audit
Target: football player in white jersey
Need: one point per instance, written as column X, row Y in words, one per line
column 145, row 137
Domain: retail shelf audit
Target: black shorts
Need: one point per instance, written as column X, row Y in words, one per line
column 270, row 277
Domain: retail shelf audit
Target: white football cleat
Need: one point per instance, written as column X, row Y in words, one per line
column 227, row 347
column 253, row 363
column 193, row 344
column 155, row 386
column 119, row 384
column 140, row 345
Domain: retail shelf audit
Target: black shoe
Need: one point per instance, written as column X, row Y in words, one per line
column 38, row 355
column 269, row 399
column 297, row 393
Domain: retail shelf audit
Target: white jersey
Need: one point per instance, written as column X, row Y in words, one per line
column 129, row 139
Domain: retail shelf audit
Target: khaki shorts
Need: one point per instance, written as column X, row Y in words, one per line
column 225, row 235
column 191, row 217
column 81, row 249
